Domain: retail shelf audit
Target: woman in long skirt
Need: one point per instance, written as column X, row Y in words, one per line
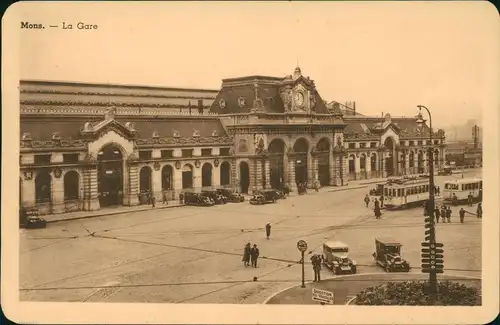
column 246, row 255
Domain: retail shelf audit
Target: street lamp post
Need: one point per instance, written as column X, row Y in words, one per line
column 431, row 204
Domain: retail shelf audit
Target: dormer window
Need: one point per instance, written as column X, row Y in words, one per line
column 242, row 101
column 155, row 134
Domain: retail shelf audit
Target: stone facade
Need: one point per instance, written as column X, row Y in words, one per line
column 86, row 146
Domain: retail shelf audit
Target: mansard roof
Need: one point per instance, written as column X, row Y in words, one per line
column 264, row 88
column 373, row 127
column 37, row 92
column 70, row 128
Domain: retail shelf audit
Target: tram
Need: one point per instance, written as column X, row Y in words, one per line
column 461, row 188
column 402, row 193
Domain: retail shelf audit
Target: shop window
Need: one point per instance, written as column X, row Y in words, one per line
column 71, row 185
column 43, row 187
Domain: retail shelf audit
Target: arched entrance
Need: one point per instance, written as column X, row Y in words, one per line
column 276, row 152
column 352, row 167
column 301, row 148
column 187, row 176
column 420, row 161
column 71, row 185
column 167, row 177
column 323, row 156
column 411, row 162
column 206, row 175
column 244, row 177
column 390, row 157
column 43, row 187
column 110, row 175
column 373, row 164
column 362, row 166
column 225, row 173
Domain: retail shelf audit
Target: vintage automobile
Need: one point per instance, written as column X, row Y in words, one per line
column 192, row 198
column 335, row 258
column 265, row 196
column 230, row 195
column 215, row 196
column 445, row 171
column 30, row 219
column 388, row 255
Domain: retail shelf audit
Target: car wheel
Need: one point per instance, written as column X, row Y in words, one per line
column 353, row 270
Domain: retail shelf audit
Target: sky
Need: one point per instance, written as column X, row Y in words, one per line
column 387, row 57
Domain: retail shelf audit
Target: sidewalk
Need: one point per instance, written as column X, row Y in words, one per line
column 107, row 212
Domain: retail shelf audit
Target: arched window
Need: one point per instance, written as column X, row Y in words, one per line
column 225, row 173
column 43, row 187
column 206, row 175
column 145, row 179
column 71, row 185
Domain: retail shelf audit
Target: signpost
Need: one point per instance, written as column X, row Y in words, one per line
column 323, row 296
column 302, row 247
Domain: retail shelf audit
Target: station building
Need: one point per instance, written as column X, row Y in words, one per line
column 89, row 146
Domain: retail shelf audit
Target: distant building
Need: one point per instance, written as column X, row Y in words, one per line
column 86, row 146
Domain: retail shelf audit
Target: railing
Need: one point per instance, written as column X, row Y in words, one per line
column 119, row 111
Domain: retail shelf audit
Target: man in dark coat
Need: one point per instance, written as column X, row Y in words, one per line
column 254, row 255
column 246, row 255
column 469, row 199
column 479, row 210
column 448, row 214
column 376, row 209
column 367, row 200
column 443, row 213
column 437, row 214
column 268, row 230
column 462, row 215
column 316, row 264
column 382, row 201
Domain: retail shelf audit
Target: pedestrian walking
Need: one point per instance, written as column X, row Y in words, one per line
column 164, row 198
column 462, row 215
column 448, row 214
column 254, row 255
column 152, row 199
column 480, row 195
column 437, row 214
column 469, row 199
column 443, row 213
column 316, row 186
column 382, row 201
column 316, row 264
column 268, row 230
column 438, row 191
column 376, row 210
column 181, row 198
column 479, row 210
column 367, row 200
column 454, row 199
column 246, row 255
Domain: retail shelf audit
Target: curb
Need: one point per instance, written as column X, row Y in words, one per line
column 348, row 188
column 114, row 213
column 351, row 275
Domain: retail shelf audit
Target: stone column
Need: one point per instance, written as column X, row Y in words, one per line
column 90, row 189
column 258, row 174
column 310, row 170
column 407, row 163
column 345, row 169
column 132, row 175
column 315, row 160
column 156, row 182
column 235, row 178
column 368, row 165
column 286, row 167
column 267, row 172
column 58, row 194
column 291, row 173
column 383, row 172
column 331, row 165
column 28, row 191
column 357, row 166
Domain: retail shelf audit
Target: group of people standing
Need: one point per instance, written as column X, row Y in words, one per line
column 251, row 254
column 316, row 261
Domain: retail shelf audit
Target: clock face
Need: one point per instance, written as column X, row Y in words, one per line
column 299, row 98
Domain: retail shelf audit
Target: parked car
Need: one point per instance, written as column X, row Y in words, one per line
column 388, row 255
column 191, row 198
column 445, row 171
column 215, row 196
column 336, row 258
column 30, row 219
column 230, row 195
column 265, row 196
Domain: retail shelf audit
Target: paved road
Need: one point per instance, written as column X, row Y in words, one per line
column 164, row 255
column 346, row 288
